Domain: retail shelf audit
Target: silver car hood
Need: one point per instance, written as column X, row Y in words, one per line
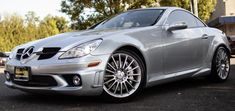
column 68, row 40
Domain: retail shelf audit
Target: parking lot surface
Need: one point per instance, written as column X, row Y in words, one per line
column 196, row 94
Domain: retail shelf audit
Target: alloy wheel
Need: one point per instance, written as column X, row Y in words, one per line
column 222, row 64
column 122, row 76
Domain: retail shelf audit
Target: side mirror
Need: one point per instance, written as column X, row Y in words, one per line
column 177, row 26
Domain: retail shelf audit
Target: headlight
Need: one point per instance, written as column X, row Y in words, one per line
column 81, row 50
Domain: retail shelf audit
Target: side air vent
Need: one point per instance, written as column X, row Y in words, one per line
column 19, row 53
column 48, row 53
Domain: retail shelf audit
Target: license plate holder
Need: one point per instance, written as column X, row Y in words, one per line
column 22, row 73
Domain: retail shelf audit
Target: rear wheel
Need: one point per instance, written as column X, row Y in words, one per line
column 220, row 65
column 124, row 75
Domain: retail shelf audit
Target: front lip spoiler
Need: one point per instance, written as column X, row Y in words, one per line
column 62, row 85
column 76, row 91
column 15, row 86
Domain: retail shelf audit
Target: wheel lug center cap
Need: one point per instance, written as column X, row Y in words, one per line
column 223, row 66
column 120, row 75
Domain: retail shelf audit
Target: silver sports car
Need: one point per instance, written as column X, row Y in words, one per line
column 121, row 56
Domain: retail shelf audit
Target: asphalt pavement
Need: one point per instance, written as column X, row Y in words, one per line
column 196, row 94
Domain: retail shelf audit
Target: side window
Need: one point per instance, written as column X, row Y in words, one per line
column 179, row 16
column 199, row 23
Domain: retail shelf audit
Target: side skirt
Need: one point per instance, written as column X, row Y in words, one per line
column 177, row 76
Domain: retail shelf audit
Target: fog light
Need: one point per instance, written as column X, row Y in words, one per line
column 76, row 80
column 8, row 76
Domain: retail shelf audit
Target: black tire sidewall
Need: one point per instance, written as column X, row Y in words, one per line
column 214, row 74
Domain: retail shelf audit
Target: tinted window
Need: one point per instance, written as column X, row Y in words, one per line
column 182, row 16
column 137, row 18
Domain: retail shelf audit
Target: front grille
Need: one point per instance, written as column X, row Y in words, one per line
column 38, row 81
column 19, row 53
column 48, row 52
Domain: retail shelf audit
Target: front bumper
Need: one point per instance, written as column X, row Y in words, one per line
column 91, row 77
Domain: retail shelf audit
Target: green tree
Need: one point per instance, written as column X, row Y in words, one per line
column 15, row 30
column 48, row 27
column 12, row 29
column 61, row 24
column 177, row 3
column 205, row 7
column 81, row 18
column 52, row 25
column 31, row 25
column 77, row 9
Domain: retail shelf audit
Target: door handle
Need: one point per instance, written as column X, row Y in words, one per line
column 205, row 36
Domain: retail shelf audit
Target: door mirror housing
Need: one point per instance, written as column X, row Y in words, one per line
column 177, row 26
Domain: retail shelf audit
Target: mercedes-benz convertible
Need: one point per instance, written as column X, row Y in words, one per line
column 121, row 56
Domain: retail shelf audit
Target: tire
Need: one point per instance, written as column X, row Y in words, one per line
column 220, row 65
column 123, row 81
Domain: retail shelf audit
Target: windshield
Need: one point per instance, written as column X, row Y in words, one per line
column 137, row 18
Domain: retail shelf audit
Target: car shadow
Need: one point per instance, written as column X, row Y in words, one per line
column 174, row 87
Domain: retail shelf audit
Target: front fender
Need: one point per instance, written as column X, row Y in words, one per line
column 218, row 41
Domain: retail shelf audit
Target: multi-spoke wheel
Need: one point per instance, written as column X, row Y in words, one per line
column 124, row 75
column 220, row 65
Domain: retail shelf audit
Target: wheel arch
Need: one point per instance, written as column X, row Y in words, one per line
column 224, row 46
column 216, row 48
column 212, row 76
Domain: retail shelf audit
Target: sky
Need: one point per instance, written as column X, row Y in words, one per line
column 41, row 7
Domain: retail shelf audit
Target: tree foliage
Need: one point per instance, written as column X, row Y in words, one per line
column 16, row 30
column 84, row 13
column 100, row 9
column 205, row 8
column 177, row 3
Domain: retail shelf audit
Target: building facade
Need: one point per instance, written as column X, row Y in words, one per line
column 223, row 17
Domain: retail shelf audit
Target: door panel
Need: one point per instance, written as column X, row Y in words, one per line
column 206, row 42
column 153, row 45
column 182, row 50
